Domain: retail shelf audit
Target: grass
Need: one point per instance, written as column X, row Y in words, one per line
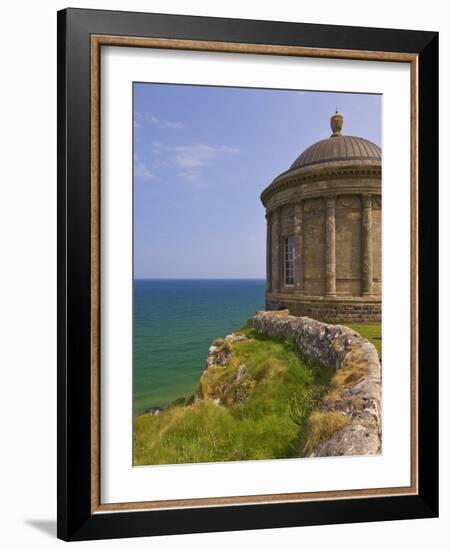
column 346, row 376
column 370, row 331
column 323, row 425
column 263, row 410
column 262, row 405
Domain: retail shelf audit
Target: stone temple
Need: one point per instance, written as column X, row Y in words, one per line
column 324, row 231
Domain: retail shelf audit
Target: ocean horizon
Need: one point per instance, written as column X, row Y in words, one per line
column 175, row 321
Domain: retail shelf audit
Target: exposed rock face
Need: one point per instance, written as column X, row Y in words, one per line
column 339, row 348
column 354, row 439
column 232, row 388
column 220, row 352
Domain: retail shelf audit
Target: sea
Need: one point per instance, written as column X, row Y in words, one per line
column 174, row 323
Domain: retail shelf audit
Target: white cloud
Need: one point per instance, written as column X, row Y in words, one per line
column 187, row 160
column 190, row 159
column 156, row 148
column 142, row 171
column 169, row 124
column 188, row 176
column 140, row 119
column 193, row 157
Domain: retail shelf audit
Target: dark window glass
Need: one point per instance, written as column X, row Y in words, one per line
column 288, row 260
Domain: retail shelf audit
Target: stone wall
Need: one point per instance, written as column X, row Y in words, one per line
column 332, row 310
column 337, row 347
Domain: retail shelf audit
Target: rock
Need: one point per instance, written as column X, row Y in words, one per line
column 220, row 353
column 245, row 384
column 327, row 344
column 235, row 337
column 354, row 439
column 240, row 372
column 154, row 411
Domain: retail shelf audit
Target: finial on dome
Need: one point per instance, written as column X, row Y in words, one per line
column 336, row 123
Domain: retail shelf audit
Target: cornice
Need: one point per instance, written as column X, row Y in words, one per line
column 337, row 171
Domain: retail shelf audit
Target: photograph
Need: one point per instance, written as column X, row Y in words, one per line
column 257, row 274
column 247, row 272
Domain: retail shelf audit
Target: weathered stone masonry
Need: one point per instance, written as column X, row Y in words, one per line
column 329, row 201
column 337, row 347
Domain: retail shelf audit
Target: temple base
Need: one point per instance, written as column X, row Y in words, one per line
column 337, row 309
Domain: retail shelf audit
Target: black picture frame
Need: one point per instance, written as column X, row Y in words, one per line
column 75, row 518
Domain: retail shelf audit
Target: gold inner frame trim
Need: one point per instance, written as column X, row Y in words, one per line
column 97, row 41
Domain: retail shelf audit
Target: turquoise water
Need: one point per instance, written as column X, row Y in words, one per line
column 174, row 323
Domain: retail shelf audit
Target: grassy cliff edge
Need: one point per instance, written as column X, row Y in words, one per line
column 254, row 406
column 257, row 399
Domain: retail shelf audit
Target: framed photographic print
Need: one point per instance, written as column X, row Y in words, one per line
column 247, row 274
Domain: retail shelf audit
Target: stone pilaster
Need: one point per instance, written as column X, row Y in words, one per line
column 299, row 261
column 330, row 231
column 366, row 246
column 276, row 245
column 269, row 253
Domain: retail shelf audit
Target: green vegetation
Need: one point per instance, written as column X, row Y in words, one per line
column 371, row 332
column 255, row 407
column 323, row 425
column 263, row 404
column 346, row 376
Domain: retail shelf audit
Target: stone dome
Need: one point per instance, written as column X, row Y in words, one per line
column 338, row 147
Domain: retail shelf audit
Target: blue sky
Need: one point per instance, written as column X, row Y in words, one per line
column 202, row 156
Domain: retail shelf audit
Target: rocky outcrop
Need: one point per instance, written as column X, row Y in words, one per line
column 356, row 396
column 220, row 352
column 220, row 382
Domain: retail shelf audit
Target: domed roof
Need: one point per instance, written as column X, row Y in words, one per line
column 338, row 147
